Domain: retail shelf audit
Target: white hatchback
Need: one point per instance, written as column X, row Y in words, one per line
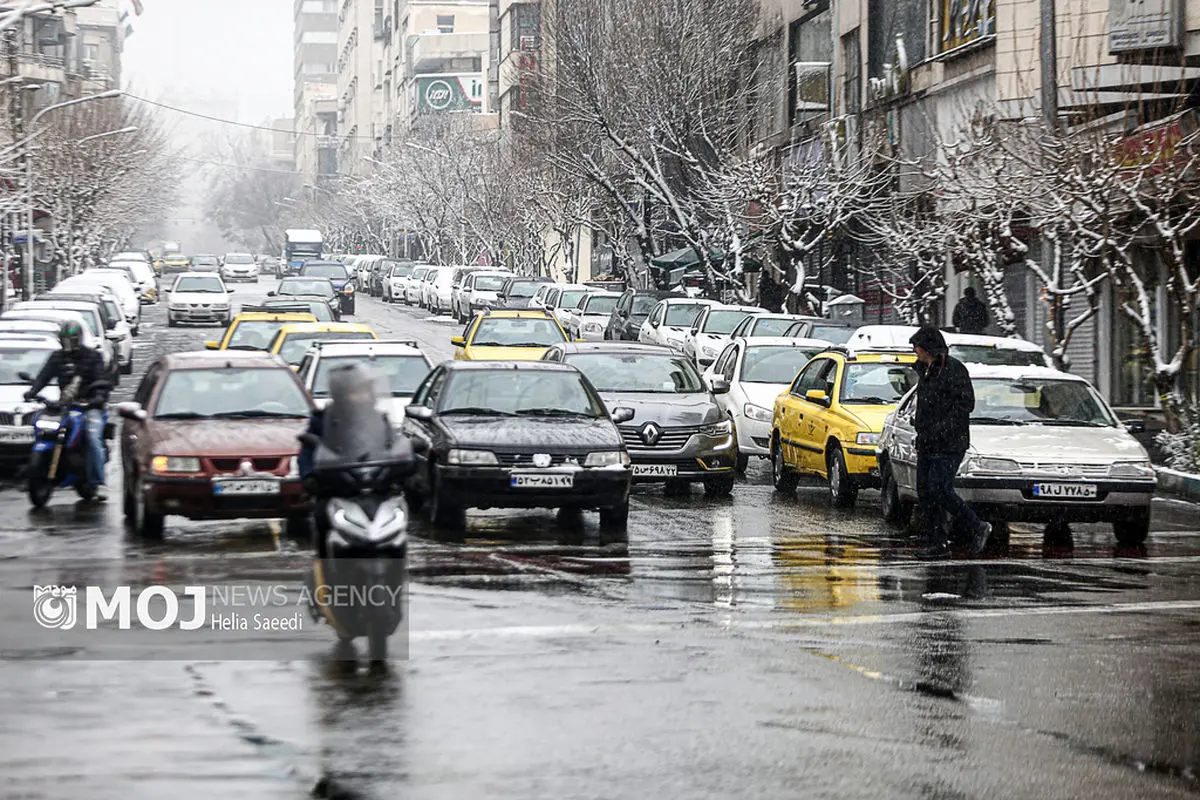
column 711, row 331
column 671, row 319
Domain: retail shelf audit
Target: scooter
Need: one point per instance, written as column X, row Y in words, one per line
column 60, row 454
column 357, row 582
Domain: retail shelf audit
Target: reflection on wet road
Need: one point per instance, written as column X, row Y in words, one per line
column 753, row 646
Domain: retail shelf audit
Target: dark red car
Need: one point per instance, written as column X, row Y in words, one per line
column 212, row 435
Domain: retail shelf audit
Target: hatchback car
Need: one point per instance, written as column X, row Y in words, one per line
column 670, row 321
column 213, row 436
column 176, row 263
column 562, row 448
column 586, row 320
column 292, row 342
column 239, row 267
column 508, row 336
column 1045, row 447
column 829, row 421
column 478, row 291
column 393, row 281
column 195, row 297
column 412, row 284
column 631, row 311
column 677, row 432
column 709, row 334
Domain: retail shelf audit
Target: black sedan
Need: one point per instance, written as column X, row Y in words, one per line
column 516, row 435
column 338, row 275
column 635, row 305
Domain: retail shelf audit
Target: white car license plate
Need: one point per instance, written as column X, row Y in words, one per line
column 224, row 487
column 16, row 435
column 655, row 470
column 1065, row 491
column 543, row 480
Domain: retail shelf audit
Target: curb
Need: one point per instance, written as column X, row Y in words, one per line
column 1179, row 484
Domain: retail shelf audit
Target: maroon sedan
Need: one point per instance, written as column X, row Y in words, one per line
column 212, row 435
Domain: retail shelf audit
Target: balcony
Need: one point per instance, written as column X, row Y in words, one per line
column 428, row 51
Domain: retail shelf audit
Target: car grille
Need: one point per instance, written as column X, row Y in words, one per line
column 9, row 418
column 234, row 464
column 1059, row 470
column 669, row 438
column 526, row 459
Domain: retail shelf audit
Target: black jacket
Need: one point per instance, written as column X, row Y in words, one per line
column 945, row 400
column 970, row 315
column 84, row 362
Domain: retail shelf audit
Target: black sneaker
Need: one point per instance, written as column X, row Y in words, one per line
column 936, row 552
column 982, row 533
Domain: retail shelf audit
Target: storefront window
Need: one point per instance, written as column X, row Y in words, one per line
column 1133, row 368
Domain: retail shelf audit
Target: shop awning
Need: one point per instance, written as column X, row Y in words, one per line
column 686, row 258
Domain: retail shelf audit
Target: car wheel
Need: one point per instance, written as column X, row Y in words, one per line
column 146, row 524
column 128, row 504
column 171, row 323
column 783, row 476
column 444, row 516
column 615, row 519
column 720, row 486
column 1132, row 532
column 298, row 527
column 127, row 369
column 895, row 510
column 743, row 461
column 843, row 493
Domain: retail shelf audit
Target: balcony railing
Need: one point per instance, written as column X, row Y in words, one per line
column 428, row 50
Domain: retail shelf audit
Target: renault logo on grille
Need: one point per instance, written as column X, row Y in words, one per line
column 651, row 433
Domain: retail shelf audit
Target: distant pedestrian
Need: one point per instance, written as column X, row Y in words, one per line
column 945, row 400
column 970, row 315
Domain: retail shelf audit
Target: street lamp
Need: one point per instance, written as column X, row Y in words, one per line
column 71, row 205
column 29, row 176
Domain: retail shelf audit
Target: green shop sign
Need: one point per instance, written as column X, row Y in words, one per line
column 437, row 93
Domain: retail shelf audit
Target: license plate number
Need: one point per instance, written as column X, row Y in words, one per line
column 655, row 470
column 543, row 480
column 16, row 436
column 1065, row 491
column 245, row 487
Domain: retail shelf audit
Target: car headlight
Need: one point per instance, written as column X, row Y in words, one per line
column 757, row 412
column 349, row 289
column 175, row 464
column 673, row 342
column 607, row 458
column 591, row 326
column 722, row 428
column 471, row 458
column 708, row 351
column 293, row 468
column 1131, row 469
column 867, row 437
column 993, row 466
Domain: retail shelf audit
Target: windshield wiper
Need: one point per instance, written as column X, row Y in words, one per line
column 257, row 413
column 1073, row 423
column 874, row 401
column 477, row 411
column 183, row 415
column 996, row 421
column 552, row 412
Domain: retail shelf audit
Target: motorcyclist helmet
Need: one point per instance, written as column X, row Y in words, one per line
column 70, row 336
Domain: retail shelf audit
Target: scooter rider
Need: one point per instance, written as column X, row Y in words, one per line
column 76, row 361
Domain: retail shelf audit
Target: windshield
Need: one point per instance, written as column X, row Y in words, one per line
column 520, row 392
column 682, row 315
column 600, row 304
column 419, row 273
column 643, row 304
column 400, row 270
column 225, row 392
column 723, row 321
column 774, row 364
column 769, row 326
column 297, row 344
column 489, row 283
column 837, row 334
column 997, row 356
column 198, row 284
column 875, row 383
column 318, row 286
column 239, row 258
column 1030, row 400
column 652, row 373
column 142, row 272
column 204, row 261
column 402, row 374
column 254, row 334
column 523, row 288
column 13, row 362
column 571, row 297
column 334, row 272
column 318, row 308
column 516, row 332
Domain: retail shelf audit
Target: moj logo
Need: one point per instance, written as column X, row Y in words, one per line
column 439, row 95
column 56, row 607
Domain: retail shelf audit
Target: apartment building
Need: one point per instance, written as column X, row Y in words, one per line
column 315, row 56
column 359, row 83
column 317, row 142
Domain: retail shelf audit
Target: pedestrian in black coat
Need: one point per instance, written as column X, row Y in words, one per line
column 945, row 400
column 970, row 315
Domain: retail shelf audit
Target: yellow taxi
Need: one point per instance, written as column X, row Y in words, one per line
column 828, row 421
column 292, row 341
column 175, row 263
column 254, row 330
column 508, row 336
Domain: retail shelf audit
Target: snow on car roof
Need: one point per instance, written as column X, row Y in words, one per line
column 357, row 346
column 782, row 341
column 1016, row 373
column 898, row 335
column 999, row 342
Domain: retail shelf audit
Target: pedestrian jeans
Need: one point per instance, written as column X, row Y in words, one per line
column 936, row 496
column 95, row 446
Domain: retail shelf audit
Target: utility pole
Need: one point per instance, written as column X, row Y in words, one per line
column 1049, row 54
column 17, row 126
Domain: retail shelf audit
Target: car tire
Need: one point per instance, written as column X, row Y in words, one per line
column 146, row 524
column 127, row 369
column 743, row 461
column 720, row 486
column 896, row 510
column 843, row 493
column 171, row 323
column 783, row 477
column 616, row 518
column 443, row 516
column 1133, row 532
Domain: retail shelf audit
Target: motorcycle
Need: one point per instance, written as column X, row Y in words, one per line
column 361, row 522
column 60, row 453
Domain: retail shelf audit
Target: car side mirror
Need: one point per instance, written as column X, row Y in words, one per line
column 719, row 385
column 212, row 345
column 458, row 341
column 229, row 289
column 653, row 323
column 817, row 396
column 695, row 331
column 111, row 325
column 25, row 376
column 620, row 415
column 270, row 294
column 1135, row 425
column 130, row 410
column 422, row 413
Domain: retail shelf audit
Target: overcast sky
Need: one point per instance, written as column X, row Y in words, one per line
column 214, row 54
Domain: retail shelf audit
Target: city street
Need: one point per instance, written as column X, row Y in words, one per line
column 757, row 646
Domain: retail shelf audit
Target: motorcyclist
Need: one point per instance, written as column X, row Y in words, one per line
column 76, row 361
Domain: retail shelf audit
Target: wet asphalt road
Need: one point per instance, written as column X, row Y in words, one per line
column 758, row 646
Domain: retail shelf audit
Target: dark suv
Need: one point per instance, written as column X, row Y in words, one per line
column 632, row 309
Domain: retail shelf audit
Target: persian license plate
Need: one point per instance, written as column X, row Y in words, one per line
column 227, row 487
column 16, row 435
column 1065, row 491
column 543, row 480
column 655, row 470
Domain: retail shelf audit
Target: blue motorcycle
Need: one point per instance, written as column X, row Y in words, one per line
column 60, row 453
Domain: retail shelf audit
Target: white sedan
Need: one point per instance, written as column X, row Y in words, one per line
column 968, row 348
column 1045, row 447
column 199, row 297
column 586, row 321
column 710, row 332
column 671, row 319
column 758, row 370
column 119, row 283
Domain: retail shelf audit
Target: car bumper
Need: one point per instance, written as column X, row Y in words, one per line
column 754, row 437
column 491, row 487
column 241, row 276
column 1012, row 499
column 199, row 314
column 703, row 457
column 862, row 464
column 14, row 452
column 194, row 498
